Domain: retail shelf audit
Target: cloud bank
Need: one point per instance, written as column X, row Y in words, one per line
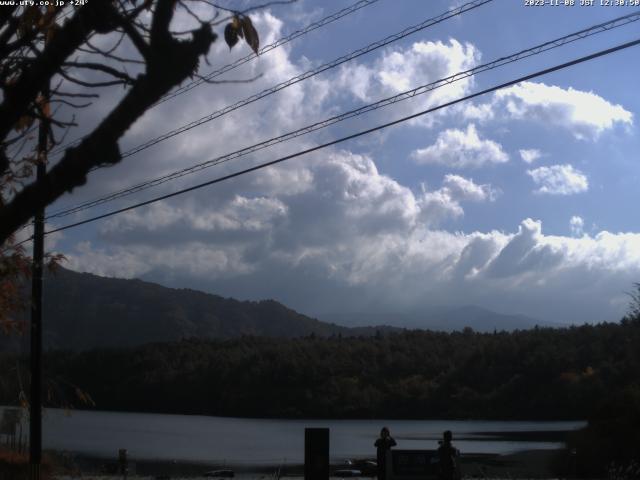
column 331, row 232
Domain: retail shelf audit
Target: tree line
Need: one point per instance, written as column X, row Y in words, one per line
column 543, row 373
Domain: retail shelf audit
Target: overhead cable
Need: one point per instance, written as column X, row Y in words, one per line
column 352, row 136
column 306, row 75
column 535, row 50
column 278, row 43
column 247, row 58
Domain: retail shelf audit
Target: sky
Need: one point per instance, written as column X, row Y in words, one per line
column 519, row 201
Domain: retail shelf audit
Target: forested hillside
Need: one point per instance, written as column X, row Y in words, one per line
column 534, row 374
column 84, row 311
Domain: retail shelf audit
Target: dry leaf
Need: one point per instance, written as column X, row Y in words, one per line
column 250, row 34
column 230, row 35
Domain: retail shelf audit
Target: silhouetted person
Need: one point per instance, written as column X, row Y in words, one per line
column 448, row 458
column 384, row 443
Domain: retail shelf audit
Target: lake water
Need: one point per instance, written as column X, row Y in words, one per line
column 264, row 441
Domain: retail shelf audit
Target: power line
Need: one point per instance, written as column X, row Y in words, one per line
column 352, row 136
column 320, row 23
column 605, row 26
column 308, row 74
column 247, row 58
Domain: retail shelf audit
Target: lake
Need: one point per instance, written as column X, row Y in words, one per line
column 267, row 441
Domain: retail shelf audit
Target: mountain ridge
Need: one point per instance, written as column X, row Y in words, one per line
column 444, row 318
column 85, row 311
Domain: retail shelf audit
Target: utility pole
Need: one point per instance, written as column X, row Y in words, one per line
column 35, row 404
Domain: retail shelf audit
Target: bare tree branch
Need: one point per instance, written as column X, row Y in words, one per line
column 84, row 83
column 135, row 37
column 94, row 16
column 97, row 51
column 170, row 62
column 102, row 68
column 74, row 95
column 71, row 104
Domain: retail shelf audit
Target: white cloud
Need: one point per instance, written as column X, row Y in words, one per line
column 461, row 149
column 399, row 69
column 51, row 241
column 480, row 113
column 347, row 201
column 444, row 203
column 577, row 226
column 559, row 180
column 238, row 214
column 272, row 116
column 530, row 155
column 333, row 231
column 439, row 205
column 198, row 259
column 398, row 266
column 358, row 79
column 586, row 114
column 466, row 189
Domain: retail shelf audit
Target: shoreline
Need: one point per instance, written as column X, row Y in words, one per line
column 522, row 464
column 510, row 419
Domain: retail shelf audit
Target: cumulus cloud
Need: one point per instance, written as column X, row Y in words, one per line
column 524, row 254
column 585, row 114
column 477, row 112
column 274, row 115
column 559, row 180
column 197, row 259
column 577, row 226
column 466, row 189
column 444, row 203
column 399, row 69
column 332, row 232
column 347, row 191
column 354, row 239
column 461, row 149
column 164, row 223
column 399, row 267
column 438, row 205
column 529, row 155
column 349, row 200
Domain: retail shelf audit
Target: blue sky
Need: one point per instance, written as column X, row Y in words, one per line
column 519, row 201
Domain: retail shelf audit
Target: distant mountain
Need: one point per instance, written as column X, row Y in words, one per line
column 84, row 311
column 443, row 318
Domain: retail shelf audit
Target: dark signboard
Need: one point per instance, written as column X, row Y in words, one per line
column 316, row 453
column 409, row 464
